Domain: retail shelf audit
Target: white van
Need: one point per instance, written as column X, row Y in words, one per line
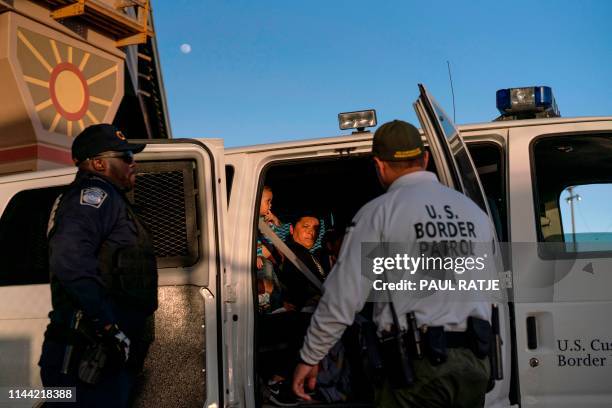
column 201, row 202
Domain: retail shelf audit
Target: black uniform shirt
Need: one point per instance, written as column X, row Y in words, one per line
column 92, row 211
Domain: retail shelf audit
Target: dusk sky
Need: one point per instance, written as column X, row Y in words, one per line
column 264, row 71
column 254, row 72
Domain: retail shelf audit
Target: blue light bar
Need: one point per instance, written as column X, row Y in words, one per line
column 529, row 102
column 503, row 100
column 544, row 97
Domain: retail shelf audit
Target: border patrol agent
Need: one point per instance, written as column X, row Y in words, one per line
column 458, row 377
column 103, row 276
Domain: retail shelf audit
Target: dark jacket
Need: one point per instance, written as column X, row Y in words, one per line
column 91, row 225
column 298, row 290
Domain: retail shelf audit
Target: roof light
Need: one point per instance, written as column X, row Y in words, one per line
column 526, row 103
column 357, row 120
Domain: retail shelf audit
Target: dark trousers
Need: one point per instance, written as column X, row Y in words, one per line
column 280, row 338
column 460, row 382
column 113, row 390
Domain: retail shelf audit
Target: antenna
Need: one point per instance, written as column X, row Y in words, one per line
column 452, row 90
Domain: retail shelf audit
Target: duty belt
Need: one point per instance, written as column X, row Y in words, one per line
column 433, row 341
column 63, row 334
column 457, row 339
column 60, row 333
column 454, row 339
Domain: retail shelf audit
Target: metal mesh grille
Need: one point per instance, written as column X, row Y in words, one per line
column 162, row 196
column 165, row 198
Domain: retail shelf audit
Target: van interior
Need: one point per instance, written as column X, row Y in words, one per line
column 335, row 189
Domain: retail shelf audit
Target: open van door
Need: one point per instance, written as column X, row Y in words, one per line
column 180, row 194
column 456, row 169
column 447, row 148
column 562, row 259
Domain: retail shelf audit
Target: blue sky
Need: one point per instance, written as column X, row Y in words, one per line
column 269, row 70
column 591, row 212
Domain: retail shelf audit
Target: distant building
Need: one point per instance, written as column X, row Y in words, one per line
column 67, row 64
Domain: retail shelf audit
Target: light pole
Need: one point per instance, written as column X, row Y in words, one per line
column 570, row 200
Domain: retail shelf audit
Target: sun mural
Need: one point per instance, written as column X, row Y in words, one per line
column 70, row 88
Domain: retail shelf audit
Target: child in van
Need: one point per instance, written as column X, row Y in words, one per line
column 268, row 286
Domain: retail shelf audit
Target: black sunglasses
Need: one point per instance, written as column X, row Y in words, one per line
column 127, row 156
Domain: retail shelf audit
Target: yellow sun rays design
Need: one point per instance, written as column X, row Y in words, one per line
column 64, row 54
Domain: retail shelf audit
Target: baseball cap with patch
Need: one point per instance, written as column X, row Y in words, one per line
column 103, row 137
column 396, row 141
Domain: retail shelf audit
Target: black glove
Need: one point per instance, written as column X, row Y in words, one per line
column 117, row 343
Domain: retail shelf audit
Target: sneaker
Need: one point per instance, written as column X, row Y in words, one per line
column 281, row 395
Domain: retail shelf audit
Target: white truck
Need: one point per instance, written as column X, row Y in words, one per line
column 201, row 202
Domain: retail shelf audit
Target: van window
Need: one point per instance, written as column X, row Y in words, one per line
column 586, row 220
column 23, row 237
column 165, row 197
column 489, row 161
column 572, row 185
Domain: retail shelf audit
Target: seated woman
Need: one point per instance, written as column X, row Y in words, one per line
column 300, row 291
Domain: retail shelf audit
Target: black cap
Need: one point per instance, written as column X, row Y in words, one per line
column 96, row 139
column 396, row 141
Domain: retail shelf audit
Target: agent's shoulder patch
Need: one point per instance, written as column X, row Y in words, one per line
column 93, row 196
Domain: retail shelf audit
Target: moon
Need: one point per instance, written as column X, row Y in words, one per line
column 185, row 48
